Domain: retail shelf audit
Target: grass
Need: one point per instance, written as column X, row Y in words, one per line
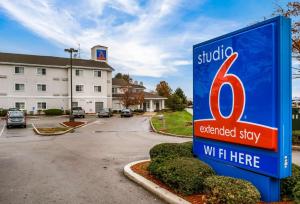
column 296, row 132
column 179, row 123
column 52, row 130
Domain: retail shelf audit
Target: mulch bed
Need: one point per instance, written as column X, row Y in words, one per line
column 141, row 169
column 73, row 124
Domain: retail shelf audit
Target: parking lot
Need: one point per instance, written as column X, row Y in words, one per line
column 81, row 167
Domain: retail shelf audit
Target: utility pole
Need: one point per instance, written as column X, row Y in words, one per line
column 71, row 50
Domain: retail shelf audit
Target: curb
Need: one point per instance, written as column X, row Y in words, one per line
column 165, row 133
column 50, row 134
column 152, row 187
column 296, row 148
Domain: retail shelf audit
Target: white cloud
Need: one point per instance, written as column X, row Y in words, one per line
column 146, row 40
column 182, row 62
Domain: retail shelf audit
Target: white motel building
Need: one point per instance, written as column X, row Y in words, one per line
column 33, row 83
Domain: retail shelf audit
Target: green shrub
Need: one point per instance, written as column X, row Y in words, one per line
column 138, row 111
column 171, row 150
column 53, row 112
column 296, row 139
column 67, row 112
column 174, row 102
column 3, row 112
column 296, row 193
column 288, row 184
column 221, row 189
column 183, row 174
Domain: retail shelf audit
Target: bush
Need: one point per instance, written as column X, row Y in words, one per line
column 174, row 102
column 288, row 184
column 138, row 111
column 221, row 189
column 171, row 150
column 53, row 112
column 296, row 139
column 3, row 112
column 296, row 193
column 67, row 112
column 183, row 174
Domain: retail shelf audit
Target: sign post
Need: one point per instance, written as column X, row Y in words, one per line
column 242, row 104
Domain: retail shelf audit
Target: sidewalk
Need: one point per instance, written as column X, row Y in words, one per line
column 189, row 110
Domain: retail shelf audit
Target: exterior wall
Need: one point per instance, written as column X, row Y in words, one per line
column 57, row 94
column 87, row 98
column 109, row 90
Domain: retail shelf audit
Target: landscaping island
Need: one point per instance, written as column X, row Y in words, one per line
column 177, row 123
column 174, row 168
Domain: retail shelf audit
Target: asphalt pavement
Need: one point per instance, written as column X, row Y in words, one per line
column 81, row 167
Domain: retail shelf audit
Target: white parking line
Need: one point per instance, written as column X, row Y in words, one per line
column 95, row 122
column 2, row 130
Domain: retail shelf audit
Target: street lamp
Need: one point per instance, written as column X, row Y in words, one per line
column 71, row 50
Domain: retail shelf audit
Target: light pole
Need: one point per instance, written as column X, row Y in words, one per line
column 71, row 50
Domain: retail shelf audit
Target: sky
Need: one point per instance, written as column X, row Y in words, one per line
column 150, row 40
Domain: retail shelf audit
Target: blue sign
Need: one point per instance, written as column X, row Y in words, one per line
column 242, row 104
column 101, row 54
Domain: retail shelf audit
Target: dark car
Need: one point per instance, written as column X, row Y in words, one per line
column 126, row 113
column 106, row 112
column 15, row 118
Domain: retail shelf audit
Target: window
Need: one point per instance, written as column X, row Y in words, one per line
column 97, row 73
column 148, row 104
column 114, row 90
column 75, row 104
column 41, row 87
column 41, row 105
column 19, row 70
column 41, row 71
column 19, row 87
column 97, row 88
column 79, row 88
column 20, row 105
column 78, row 72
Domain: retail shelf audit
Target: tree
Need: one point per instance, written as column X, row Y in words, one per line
column 138, row 98
column 174, row 102
column 130, row 98
column 292, row 10
column 163, row 89
column 179, row 92
column 119, row 76
column 126, row 77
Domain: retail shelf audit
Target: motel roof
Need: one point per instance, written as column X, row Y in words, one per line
column 124, row 83
column 24, row 59
column 147, row 95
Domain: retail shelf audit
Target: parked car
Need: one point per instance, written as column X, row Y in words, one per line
column 78, row 112
column 126, row 113
column 15, row 118
column 106, row 112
